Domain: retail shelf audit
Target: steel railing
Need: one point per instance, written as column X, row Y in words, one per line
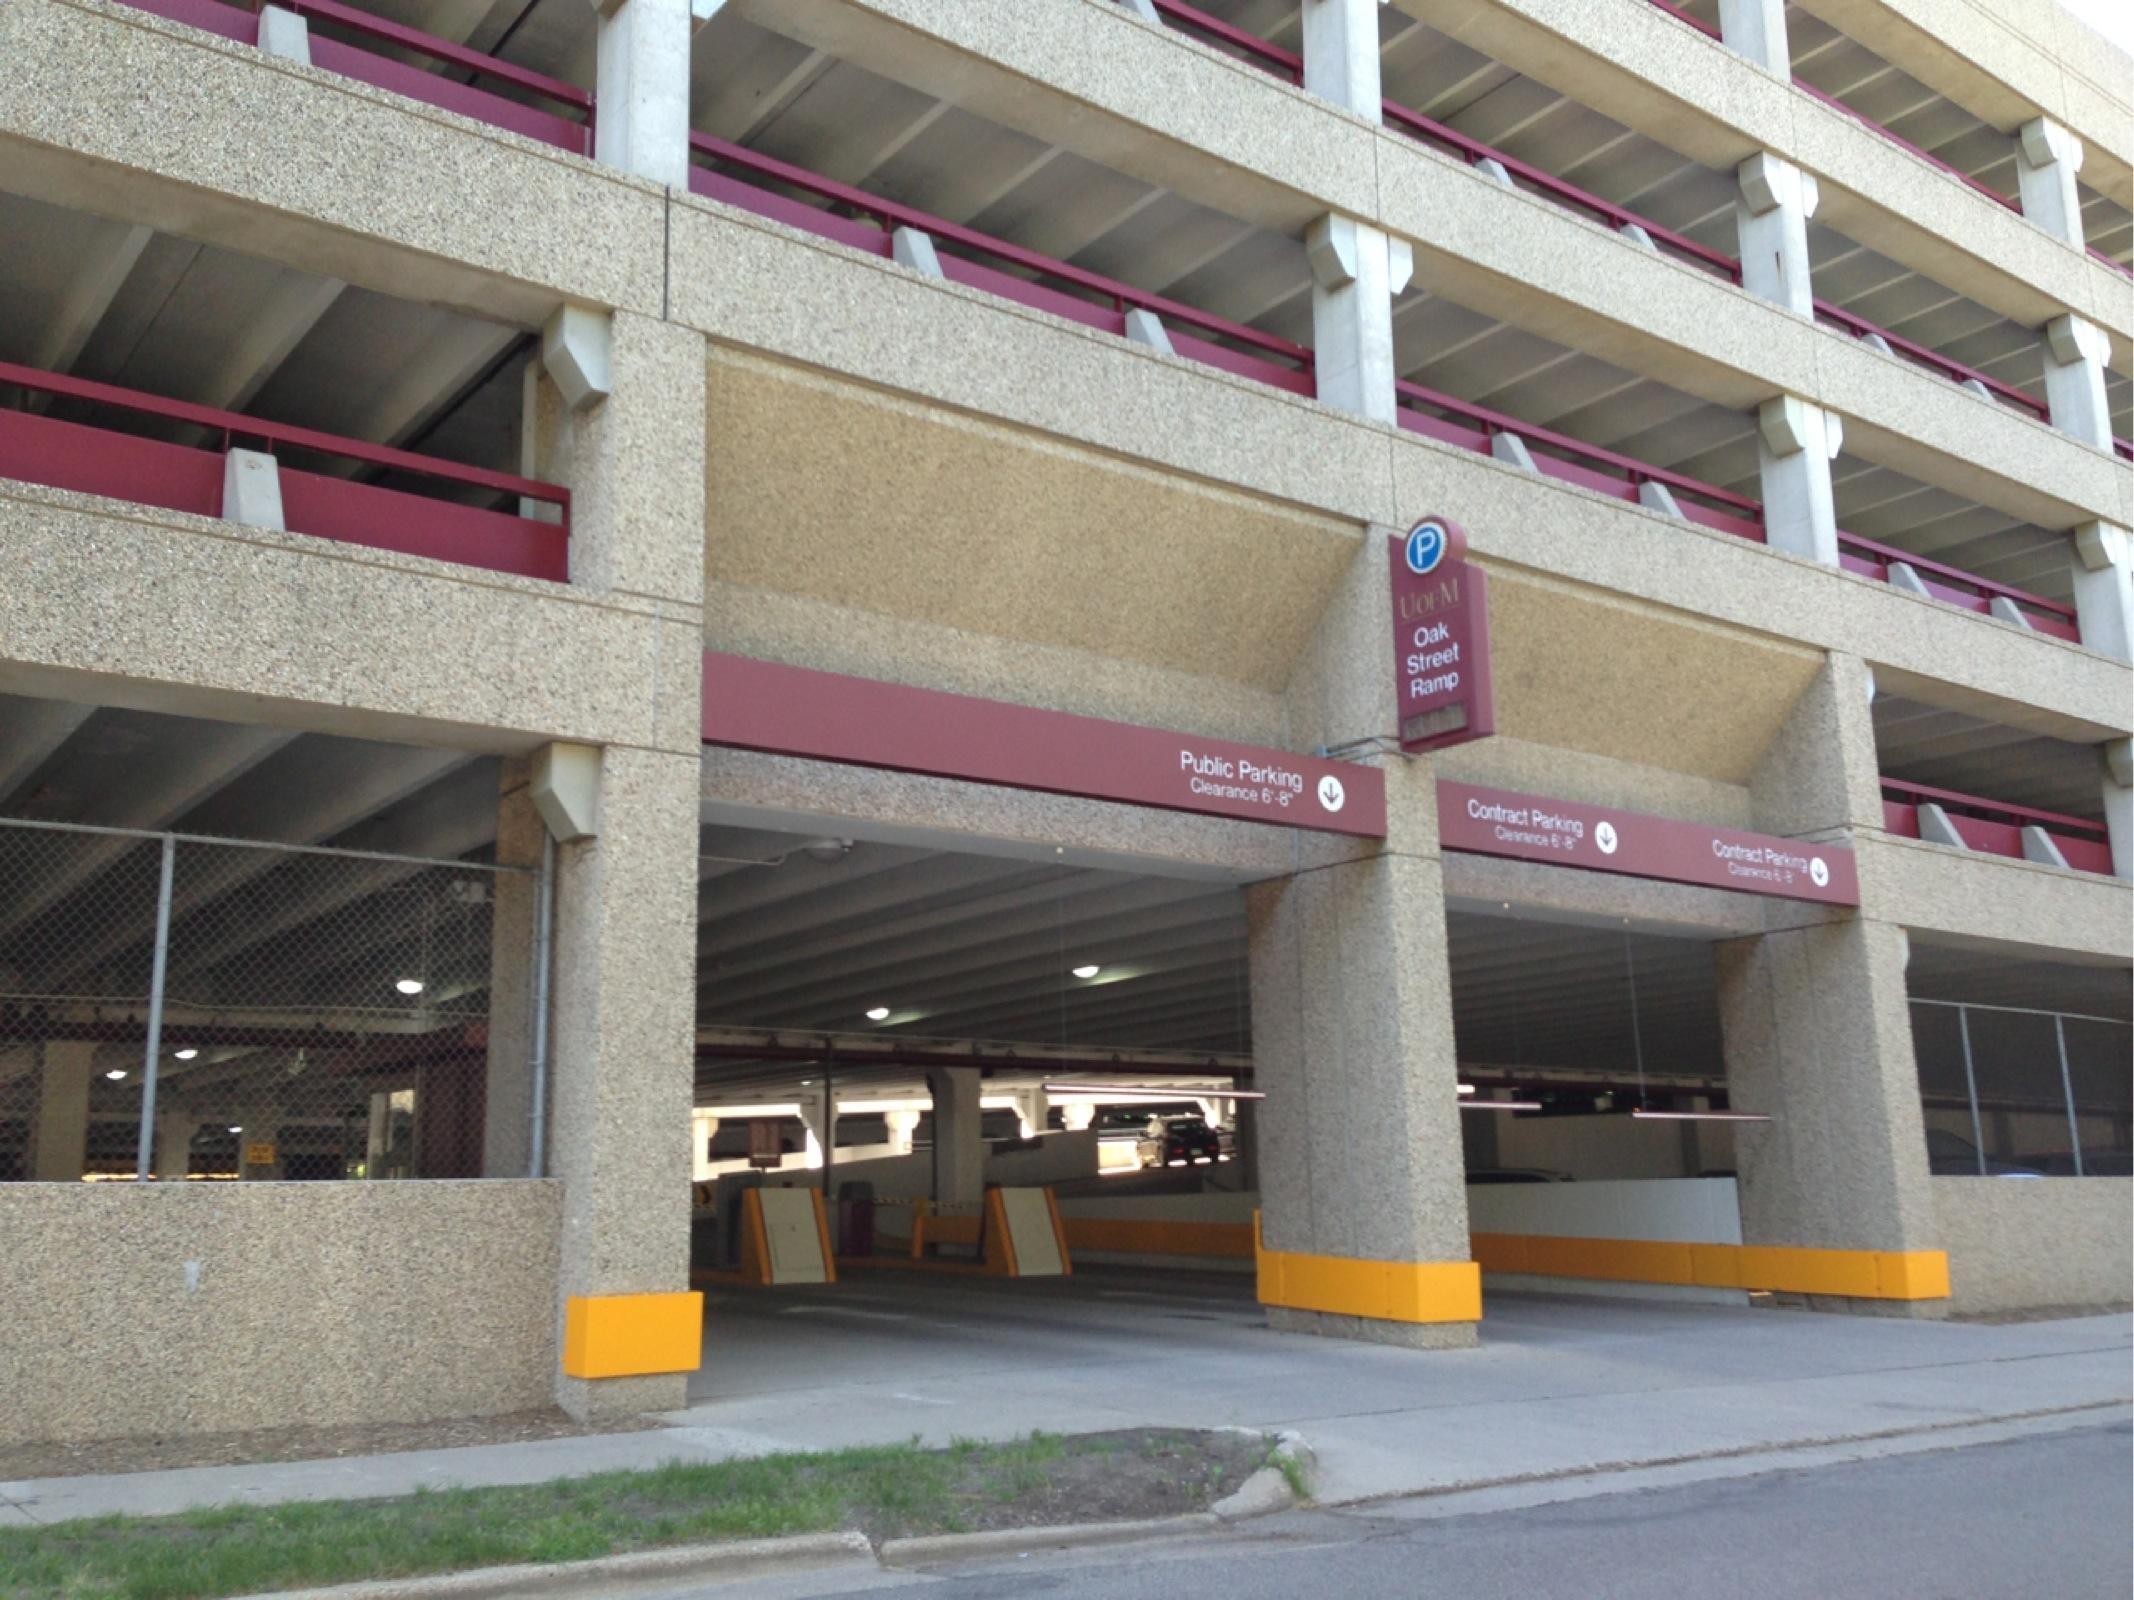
column 1577, row 453
column 39, row 448
column 890, row 215
column 233, row 426
column 1954, row 370
column 2060, row 617
column 1991, row 810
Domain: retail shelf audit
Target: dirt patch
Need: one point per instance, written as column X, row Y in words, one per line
column 1128, row 1476
column 149, row 1454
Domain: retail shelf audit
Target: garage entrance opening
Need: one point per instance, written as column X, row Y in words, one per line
column 1002, row 1062
column 1596, row 1120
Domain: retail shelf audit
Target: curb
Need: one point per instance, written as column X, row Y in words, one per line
column 1014, row 1541
column 708, row 1563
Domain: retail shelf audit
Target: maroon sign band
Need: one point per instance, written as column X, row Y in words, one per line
column 825, row 716
column 1440, row 639
column 1529, row 827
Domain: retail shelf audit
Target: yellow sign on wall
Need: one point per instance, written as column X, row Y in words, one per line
column 259, row 1153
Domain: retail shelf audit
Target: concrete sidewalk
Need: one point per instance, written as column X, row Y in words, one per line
column 1558, row 1386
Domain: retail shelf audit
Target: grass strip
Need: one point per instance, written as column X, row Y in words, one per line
column 889, row 1491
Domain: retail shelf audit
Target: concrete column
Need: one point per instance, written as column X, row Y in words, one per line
column 65, row 1071
column 618, row 414
column 507, row 1116
column 642, row 88
column 174, row 1144
column 1358, row 1141
column 1341, row 54
column 620, row 405
column 2075, row 354
column 1796, row 442
column 959, row 1137
column 1757, row 29
column 2047, row 157
column 2104, row 588
column 1816, row 1020
column 1772, row 205
column 902, row 1125
column 624, row 1056
column 1818, row 1034
column 1078, row 1115
column 1356, row 272
column 2118, row 759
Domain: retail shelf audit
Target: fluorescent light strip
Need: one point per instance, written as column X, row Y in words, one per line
column 1700, row 1116
column 1160, row 1091
column 1500, row 1105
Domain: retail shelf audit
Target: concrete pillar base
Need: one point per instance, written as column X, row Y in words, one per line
column 611, row 1399
column 1370, row 1330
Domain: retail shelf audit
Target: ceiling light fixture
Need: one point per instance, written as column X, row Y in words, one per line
column 237, row 1127
column 1500, row 1105
column 878, row 1014
column 409, row 985
column 1089, row 971
column 186, row 1054
column 1466, row 1089
column 1643, row 1115
column 115, row 1074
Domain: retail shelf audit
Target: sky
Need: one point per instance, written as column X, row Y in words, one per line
column 2112, row 18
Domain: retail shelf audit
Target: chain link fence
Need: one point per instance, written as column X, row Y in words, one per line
column 2017, row 1093
column 183, row 1007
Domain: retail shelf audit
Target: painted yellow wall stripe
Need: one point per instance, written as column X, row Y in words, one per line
column 1386, row 1291
column 1782, row 1269
column 632, row 1335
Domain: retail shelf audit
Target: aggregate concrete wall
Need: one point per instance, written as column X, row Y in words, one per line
column 207, row 1308
column 2018, row 1244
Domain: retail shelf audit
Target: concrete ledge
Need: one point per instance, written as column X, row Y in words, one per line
column 2025, row 1244
column 1995, row 902
column 192, row 1308
column 98, row 110
column 117, row 603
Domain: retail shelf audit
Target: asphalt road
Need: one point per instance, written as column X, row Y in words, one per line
column 2044, row 1517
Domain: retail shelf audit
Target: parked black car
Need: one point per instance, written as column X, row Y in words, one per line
column 1178, row 1141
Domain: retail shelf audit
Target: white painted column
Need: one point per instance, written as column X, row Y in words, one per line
column 1757, row 29
column 1356, row 272
column 959, row 1138
column 2075, row 354
column 642, row 88
column 66, row 1070
column 2118, row 757
column 1341, row 54
column 2046, row 161
column 1078, row 1115
column 1774, row 201
column 1796, row 442
column 174, row 1144
column 2104, row 589
column 902, row 1125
